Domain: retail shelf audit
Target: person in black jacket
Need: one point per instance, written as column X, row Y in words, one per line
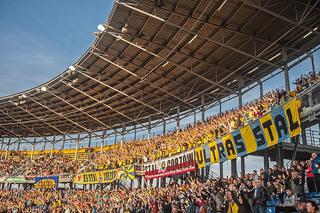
column 259, row 198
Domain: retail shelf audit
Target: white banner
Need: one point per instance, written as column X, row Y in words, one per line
column 174, row 165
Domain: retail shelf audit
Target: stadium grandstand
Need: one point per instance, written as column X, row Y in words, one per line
column 177, row 106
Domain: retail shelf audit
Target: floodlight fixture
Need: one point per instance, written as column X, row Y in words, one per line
column 72, row 68
column 43, row 88
column 124, row 28
column 101, row 27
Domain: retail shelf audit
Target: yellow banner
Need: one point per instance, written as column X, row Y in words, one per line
column 292, row 116
column 214, row 155
column 275, row 127
column 199, row 156
column 45, row 184
column 48, row 182
column 107, row 176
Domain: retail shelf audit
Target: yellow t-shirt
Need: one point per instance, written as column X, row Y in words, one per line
column 233, row 207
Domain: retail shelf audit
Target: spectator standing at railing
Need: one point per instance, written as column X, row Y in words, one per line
column 310, row 177
column 265, row 176
column 315, row 162
column 271, row 190
column 302, row 174
column 260, row 198
column 295, row 183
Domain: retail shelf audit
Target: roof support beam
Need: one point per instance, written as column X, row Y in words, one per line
column 122, row 93
column 261, row 53
column 21, row 124
column 103, row 103
column 8, row 130
column 186, row 87
column 128, row 85
column 296, row 24
column 141, row 79
column 82, row 111
column 40, row 119
column 269, row 46
column 183, row 54
column 170, row 61
column 200, row 36
column 165, row 58
column 152, row 39
column 223, row 27
column 61, row 115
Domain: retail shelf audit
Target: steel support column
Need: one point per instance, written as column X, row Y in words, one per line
column 8, row 147
column 101, row 146
column 279, row 154
column 266, row 160
column 123, row 132
column 234, row 161
column 265, row 152
column 51, row 152
column 178, row 117
column 33, row 146
column 104, row 138
column 135, row 132
column 19, row 142
column 311, row 99
column 115, row 137
column 164, row 126
column 285, row 69
column 63, row 142
column 149, row 128
column 221, row 169
column 2, row 143
column 304, row 136
column 206, row 169
column 202, row 108
column 77, row 147
column 90, row 137
column 312, row 63
column 221, row 163
column 44, row 145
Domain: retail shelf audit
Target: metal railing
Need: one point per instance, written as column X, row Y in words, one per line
column 312, row 137
column 213, row 175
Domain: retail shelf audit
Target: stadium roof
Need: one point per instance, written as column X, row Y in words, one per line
column 154, row 55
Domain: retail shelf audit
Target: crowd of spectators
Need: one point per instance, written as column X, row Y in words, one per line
column 253, row 192
column 40, row 165
column 305, row 81
column 249, row 193
column 144, row 150
column 154, row 148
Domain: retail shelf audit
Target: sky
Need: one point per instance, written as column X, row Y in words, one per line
column 40, row 39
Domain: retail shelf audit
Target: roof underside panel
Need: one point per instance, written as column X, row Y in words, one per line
column 156, row 55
